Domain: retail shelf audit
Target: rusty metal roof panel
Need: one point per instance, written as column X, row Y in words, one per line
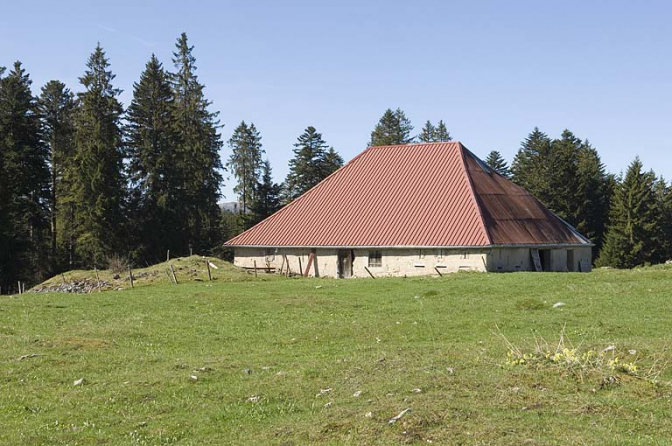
column 512, row 215
column 436, row 194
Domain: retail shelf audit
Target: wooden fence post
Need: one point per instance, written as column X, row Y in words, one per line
column 207, row 263
column 370, row 274
column 95, row 269
column 310, row 262
column 255, row 269
column 172, row 270
column 130, row 275
column 300, row 267
column 168, row 256
column 438, row 272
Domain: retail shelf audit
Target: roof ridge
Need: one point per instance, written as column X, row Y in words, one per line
column 417, row 143
column 472, row 192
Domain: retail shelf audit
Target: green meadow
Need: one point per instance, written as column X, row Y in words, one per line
column 294, row 361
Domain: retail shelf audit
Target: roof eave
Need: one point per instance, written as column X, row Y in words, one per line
column 513, row 245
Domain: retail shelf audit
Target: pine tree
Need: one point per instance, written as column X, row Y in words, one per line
column 562, row 195
column 153, row 166
column 428, row 133
column 498, row 164
column 245, row 162
column 24, row 182
column 442, row 134
column 267, row 199
column 97, row 173
column 393, row 128
column 568, row 177
column 57, row 110
column 529, row 167
column 632, row 237
column 197, row 155
column 330, row 163
column 306, row 169
column 592, row 192
column 663, row 193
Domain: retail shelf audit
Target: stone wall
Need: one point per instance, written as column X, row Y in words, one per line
column 520, row 259
column 394, row 262
column 413, row 262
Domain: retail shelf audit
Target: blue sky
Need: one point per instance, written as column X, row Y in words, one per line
column 491, row 70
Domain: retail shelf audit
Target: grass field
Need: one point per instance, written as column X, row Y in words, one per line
column 279, row 361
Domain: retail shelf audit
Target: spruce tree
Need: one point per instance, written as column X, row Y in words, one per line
column 97, row 173
column 428, row 133
column 530, row 165
column 245, row 162
column 197, row 155
column 498, row 164
column 663, row 194
column 393, row 128
column 441, row 134
column 308, row 167
column 267, row 199
column 632, row 237
column 592, row 195
column 562, row 196
column 24, row 182
column 330, row 163
column 568, row 177
column 57, row 110
column 153, row 166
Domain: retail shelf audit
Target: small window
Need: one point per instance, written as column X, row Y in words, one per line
column 375, row 259
column 270, row 254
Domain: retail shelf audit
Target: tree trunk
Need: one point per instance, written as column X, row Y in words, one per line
column 53, row 211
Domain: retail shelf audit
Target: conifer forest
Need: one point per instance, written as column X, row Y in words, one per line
column 85, row 180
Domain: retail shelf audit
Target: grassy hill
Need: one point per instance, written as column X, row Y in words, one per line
column 300, row 361
column 187, row 269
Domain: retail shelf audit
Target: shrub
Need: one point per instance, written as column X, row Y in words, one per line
column 117, row 264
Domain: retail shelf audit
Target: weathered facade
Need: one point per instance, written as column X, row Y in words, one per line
column 418, row 209
column 354, row 262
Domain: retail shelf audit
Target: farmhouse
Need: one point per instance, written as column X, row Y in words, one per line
column 414, row 209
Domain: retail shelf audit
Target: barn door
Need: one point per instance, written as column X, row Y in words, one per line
column 570, row 260
column 344, row 264
column 536, row 259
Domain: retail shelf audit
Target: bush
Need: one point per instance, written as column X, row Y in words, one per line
column 117, row 264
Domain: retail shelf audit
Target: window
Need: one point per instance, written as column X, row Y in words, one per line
column 375, row 259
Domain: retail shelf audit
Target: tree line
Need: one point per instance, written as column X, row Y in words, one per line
column 82, row 179
column 627, row 216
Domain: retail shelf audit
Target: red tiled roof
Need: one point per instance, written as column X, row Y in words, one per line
column 415, row 195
